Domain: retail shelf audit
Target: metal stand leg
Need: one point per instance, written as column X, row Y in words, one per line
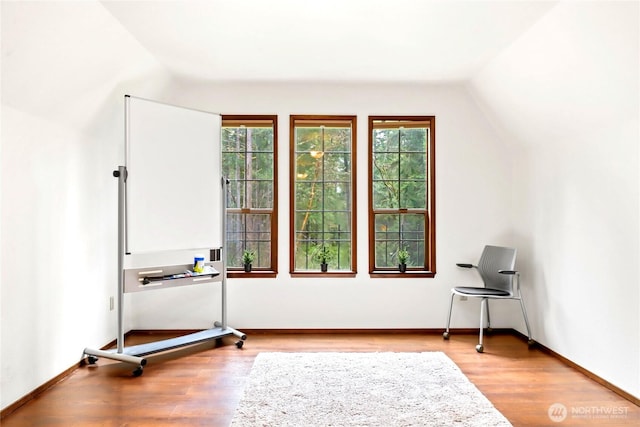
column 122, row 249
column 121, row 174
column 135, row 360
column 235, row 332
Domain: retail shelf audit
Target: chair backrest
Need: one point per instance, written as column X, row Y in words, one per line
column 496, row 258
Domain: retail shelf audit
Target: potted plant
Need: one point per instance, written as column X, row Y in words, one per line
column 247, row 259
column 323, row 255
column 403, row 257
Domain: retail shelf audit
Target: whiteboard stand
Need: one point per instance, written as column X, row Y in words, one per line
column 130, row 279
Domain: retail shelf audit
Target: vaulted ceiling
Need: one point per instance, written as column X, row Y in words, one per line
column 328, row 40
column 522, row 60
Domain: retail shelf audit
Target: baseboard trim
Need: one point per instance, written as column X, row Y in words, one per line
column 46, row 386
column 417, row 331
column 617, row 390
column 38, row 391
column 321, row 331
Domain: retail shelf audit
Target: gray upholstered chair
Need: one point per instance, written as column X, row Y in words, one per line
column 501, row 281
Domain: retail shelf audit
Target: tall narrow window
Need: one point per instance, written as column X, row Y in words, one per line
column 402, row 195
column 323, row 192
column 249, row 162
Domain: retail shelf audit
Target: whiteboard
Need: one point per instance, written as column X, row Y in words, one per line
column 174, row 172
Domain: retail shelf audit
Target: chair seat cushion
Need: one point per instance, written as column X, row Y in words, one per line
column 481, row 291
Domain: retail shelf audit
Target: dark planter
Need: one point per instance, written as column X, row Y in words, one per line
column 323, row 267
column 402, row 267
column 247, row 268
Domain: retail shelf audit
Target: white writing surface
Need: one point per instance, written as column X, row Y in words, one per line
column 173, row 186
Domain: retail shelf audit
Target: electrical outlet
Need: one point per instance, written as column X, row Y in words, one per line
column 112, row 303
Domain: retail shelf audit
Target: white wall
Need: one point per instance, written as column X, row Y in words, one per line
column 473, row 201
column 62, row 135
column 566, row 95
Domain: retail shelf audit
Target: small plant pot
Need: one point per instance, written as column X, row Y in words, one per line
column 247, row 268
column 324, row 267
column 402, row 267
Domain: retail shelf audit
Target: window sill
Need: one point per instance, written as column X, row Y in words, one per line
column 409, row 274
column 323, row 274
column 255, row 274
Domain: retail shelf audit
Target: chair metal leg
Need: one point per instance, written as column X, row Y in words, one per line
column 488, row 318
column 483, row 304
column 445, row 335
column 526, row 321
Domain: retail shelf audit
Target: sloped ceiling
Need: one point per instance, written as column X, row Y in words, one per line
column 575, row 71
column 60, row 58
column 329, row 40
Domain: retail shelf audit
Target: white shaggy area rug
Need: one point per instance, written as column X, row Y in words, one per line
column 361, row 389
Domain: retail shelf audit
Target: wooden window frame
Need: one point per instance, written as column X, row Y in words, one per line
column 272, row 271
column 314, row 120
column 429, row 267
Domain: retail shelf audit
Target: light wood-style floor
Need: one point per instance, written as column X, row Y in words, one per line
column 201, row 385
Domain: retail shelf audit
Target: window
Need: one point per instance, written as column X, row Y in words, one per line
column 402, row 194
column 249, row 147
column 323, row 191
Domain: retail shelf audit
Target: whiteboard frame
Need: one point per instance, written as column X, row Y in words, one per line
column 173, row 157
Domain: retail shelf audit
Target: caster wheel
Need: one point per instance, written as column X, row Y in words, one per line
column 138, row 371
column 445, row 335
column 239, row 344
column 531, row 343
column 92, row 360
column 479, row 348
column 489, row 330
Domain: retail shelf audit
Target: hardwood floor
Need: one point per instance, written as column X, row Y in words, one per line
column 201, row 385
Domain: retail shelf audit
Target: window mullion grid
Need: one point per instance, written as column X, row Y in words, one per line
column 399, row 190
column 322, row 148
column 246, row 188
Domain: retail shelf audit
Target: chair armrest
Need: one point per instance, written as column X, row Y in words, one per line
column 465, row 265
column 515, row 273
